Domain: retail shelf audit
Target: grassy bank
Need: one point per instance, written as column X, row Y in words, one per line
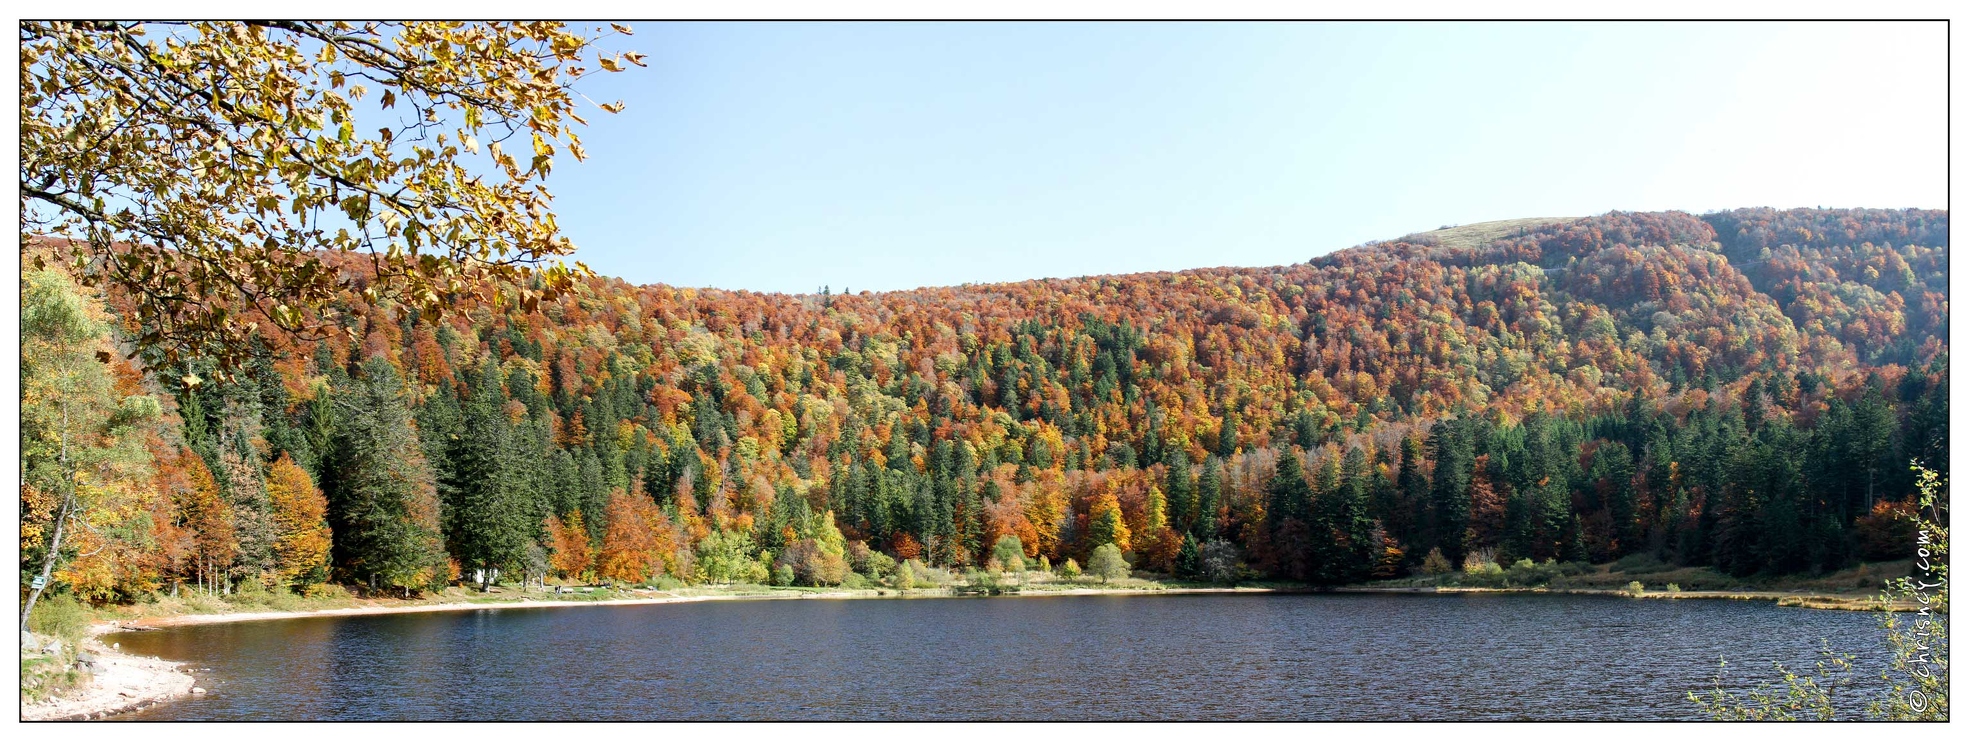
column 1855, row 588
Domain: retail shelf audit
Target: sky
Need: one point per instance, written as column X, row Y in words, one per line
column 788, row 156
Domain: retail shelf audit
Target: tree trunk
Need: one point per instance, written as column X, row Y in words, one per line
column 61, row 522
column 48, row 562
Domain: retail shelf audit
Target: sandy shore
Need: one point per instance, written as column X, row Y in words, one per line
column 655, row 598
column 124, row 683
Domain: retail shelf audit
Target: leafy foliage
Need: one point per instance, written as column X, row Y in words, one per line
column 210, row 169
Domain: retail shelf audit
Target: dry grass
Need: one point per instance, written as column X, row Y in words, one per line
column 1864, row 580
column 1483, row 233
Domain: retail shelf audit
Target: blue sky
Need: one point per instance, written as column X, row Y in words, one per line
column 785, row 156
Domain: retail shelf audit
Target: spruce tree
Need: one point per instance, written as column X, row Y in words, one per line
column 384, row 507
column 491, row 518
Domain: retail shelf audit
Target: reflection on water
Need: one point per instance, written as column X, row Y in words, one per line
column 1280, row 657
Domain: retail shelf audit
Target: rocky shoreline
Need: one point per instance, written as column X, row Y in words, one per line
column 121, row 683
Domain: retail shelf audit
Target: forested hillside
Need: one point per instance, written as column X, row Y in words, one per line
column 1744, row 390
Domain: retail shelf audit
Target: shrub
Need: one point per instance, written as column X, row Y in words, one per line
column 924, row 575
column 1886, row 533
column 1070, row 570
column 1107, row 564
column 1525, row 573
column 1674, row 588
column 60, row 616
column 1636, row 589
column 877, row 565
column 1435, row 563
column 665, row 582
column 1480, row 560
column 1009, row 553
column 1220, row 562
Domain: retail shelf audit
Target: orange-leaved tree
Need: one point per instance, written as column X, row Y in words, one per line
column 568, row 539
column 300, row 514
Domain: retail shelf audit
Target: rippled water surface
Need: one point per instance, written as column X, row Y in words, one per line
column 1281, row 657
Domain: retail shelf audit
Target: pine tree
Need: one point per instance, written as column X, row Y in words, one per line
column 1181, row 489
column 1412, row 493
column 1189, row 561
column 491, row 518
column 384, row 507
column 1449, row 491
column 1209, row 501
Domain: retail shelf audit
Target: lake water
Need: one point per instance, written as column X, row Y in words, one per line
column 1277, row 657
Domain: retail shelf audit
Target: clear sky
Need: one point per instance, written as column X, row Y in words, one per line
column 785, row 156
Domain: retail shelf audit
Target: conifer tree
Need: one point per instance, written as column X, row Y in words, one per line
column 490, row 515
column 384, row 507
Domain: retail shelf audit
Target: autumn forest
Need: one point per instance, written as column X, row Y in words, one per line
column 1744, row 390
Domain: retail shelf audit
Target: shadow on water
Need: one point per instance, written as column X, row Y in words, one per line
column 1278, row 657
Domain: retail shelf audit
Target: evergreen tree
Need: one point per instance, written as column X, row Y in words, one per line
column 1180, row 487
column 1449, row 490
column 491, row 521
column 1289, row 510
column 384, row 507
column 1209, row 501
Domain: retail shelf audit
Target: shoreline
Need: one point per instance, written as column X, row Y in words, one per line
column 656, row 598
column 1783, row 599
column 125, row 683
column 132, row 682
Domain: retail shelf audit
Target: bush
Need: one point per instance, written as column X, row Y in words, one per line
column 924, row 575
column 1107, row 564
column 1009, row 553
column 1435, row 563
column 1220, row 563
column 1480, row 561
column 1887, row 533
column 663, row 581
column 1674, row 589
column 1070, row 570
column 1636, row 589
column 1525, row 573
column 877, row 565
column 60, row 616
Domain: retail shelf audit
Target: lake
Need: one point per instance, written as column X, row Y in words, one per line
column 1226, row 657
